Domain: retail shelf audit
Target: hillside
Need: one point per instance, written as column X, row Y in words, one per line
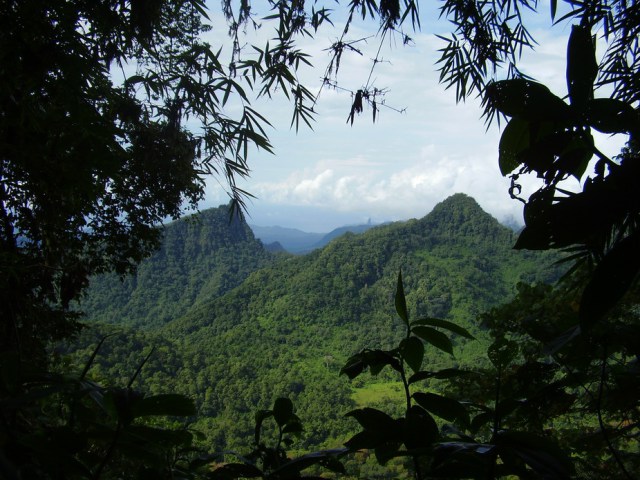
column 202, row 256
column 289, row 326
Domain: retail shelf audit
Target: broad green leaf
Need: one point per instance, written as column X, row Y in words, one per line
column 282, row 411
column 444, row 407
column 610, row 280
column 412, row 351
column 355, row 366
column 401, row 302
column 373, row 419
column 367, row 439
column 434, row 337
column 375, row 360
column 387, row 451
column 527, row 100
column 452, row 327
column 164, row 404
column 420, row 429
column 582, row 67
column 515, row 138
column 609, row 115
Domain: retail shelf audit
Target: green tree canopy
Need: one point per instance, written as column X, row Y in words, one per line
column 114, row 112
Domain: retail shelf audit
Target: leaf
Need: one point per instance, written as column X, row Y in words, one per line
column 373, row 419
column 412, row 351
column 544, row 456
column 233, row 471
column 326, row 458
column 367, row 439
column 434, row 337
column 387, row 451
column 582, row 67
column 481, row 420
column 261, row 416
column 440, row 374
column 420, row 429
column 527, row 100
column 610, row 280
column 401, row 302
column 452, row 327
column 502, row 352
column 355, row 366
column 282, row 411
column 375, row 360
column 514, row 139
column 444, row 407
column 294, row 425
column 164, row 404
column 609, row 115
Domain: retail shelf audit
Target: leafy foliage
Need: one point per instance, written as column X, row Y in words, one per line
column 287, row 328
column 61, row 426
column 459, row 449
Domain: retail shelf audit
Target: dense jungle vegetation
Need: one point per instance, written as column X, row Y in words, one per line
column 288, row 327
column 92, row 163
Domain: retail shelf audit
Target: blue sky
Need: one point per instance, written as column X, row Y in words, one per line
column 405, row 163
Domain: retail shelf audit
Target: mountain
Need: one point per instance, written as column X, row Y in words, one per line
column 333, row 234
column 297, row 241
column 286, row 327
column 291, row 239
column 202, row 256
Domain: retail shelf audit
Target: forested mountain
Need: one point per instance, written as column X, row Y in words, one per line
column 288, row 327
column 202, row 257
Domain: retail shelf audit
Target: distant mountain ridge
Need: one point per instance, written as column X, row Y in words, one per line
column 282, row 325
column 297, row 241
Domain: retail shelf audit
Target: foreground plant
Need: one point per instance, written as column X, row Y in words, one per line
column 462, row 446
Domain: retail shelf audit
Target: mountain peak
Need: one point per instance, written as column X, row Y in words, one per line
column 461, row 216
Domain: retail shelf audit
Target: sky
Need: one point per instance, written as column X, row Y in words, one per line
column 405, row 163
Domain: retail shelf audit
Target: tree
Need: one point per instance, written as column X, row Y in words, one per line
column 95, row 148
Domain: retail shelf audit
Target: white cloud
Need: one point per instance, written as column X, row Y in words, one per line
column 402, row 165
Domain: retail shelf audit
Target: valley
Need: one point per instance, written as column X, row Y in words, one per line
column 234, row 326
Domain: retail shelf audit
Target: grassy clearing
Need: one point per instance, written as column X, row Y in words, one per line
column 378, row 392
